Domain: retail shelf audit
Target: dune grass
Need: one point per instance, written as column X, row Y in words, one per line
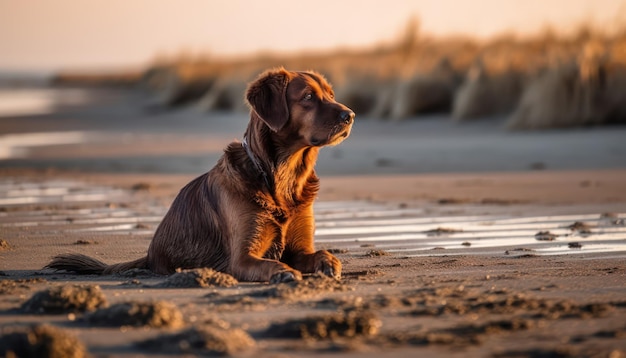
column 541, row 81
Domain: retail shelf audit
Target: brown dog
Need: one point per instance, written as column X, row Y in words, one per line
column 252, row 215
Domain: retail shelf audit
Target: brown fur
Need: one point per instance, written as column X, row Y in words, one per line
column 233, row 218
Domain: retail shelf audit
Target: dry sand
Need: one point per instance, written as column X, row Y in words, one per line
column 508, row 299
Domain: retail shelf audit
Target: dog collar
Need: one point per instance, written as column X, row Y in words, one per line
column 244, row 144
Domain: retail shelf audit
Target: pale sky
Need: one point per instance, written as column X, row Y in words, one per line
column 56, row 34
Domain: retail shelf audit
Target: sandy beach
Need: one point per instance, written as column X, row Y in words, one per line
column 456, row 240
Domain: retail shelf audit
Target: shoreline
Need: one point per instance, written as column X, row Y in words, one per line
column 538, row 187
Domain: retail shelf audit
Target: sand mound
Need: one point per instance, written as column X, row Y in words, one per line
column 376, row 253
column 202, row 277
column 138, row 314
column 460, row 335
column 39, row 341
column 310, row 286
column 349, row 325
column 461, row 302
column 65, row 299
column 213, row 339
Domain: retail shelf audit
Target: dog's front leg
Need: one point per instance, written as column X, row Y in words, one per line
column 299, row 249
column 252, row 258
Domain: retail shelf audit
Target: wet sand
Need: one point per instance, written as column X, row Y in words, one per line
column 440, row 272
column 498, row 262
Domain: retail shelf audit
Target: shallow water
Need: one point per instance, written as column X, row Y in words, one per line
column 356, row 226
column 409, row 233
column 38, row 101
column 58, row 191
column 17, row 145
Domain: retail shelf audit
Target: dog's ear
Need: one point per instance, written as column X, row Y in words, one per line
column 267, row 97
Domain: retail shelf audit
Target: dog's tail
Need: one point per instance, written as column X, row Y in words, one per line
column 85, row 265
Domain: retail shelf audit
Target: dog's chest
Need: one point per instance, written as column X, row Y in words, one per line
column 281, row 209
column 279, row 214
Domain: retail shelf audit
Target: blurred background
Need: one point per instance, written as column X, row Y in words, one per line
column 438, row 86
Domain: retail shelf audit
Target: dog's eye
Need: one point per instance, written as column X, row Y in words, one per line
column 308, row 97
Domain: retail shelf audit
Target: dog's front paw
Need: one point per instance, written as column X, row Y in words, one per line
column 327, row 264
column 285, row 276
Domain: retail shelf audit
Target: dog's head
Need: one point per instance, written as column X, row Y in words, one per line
column 300, row 105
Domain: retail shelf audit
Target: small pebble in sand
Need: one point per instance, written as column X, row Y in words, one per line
column 4, row 245
column 66, row 299
column 338, row 251
column 537, row 166
column 449, row 201
column 84, row 242
column 376, row 253
column 574, row 245
column 580, row 227
column 442, row 231
column 519, row 249
column 384, row 162
column 141, row 186
column 545, row 236
column 39, row 341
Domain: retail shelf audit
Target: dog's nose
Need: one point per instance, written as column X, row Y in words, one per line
column 347, row 116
